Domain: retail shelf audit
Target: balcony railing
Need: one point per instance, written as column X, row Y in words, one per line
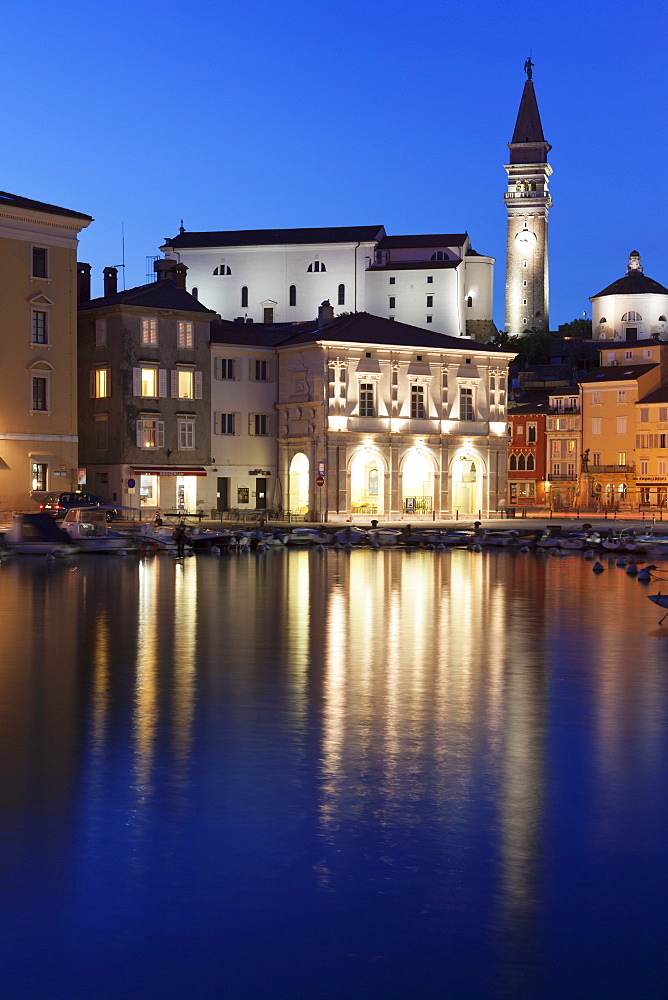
column 567, row 477
column 611, row 468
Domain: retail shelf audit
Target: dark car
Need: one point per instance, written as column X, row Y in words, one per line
column 58, row 504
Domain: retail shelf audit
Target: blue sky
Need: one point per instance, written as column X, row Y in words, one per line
column 302, row 114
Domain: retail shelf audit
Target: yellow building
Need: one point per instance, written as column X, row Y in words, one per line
column 38, row 356
column 613, row 414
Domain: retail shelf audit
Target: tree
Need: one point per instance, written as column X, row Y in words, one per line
column 580, row 328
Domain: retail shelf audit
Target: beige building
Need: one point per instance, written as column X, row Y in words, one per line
column 620, row 431
column 38, row 350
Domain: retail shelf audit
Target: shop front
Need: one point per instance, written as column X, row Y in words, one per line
column 164, row 488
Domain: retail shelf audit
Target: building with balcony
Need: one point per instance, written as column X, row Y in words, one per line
column 563, row 435
column 38, row 419
column 367, row 417
column 527, row 422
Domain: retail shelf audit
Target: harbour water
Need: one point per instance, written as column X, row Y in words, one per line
column 333, row 776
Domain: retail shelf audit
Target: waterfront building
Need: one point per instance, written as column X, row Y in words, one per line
column 528, row 202
column 38, row 427
column 563, row 434
column 634, row 307
column 613, row 408
column 527, row 453
column 144, row 391
column 373, row 418
column 436, row 282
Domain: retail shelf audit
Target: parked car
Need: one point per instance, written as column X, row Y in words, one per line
column 58, row 504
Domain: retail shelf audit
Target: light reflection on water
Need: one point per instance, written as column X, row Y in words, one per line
column 332, row 775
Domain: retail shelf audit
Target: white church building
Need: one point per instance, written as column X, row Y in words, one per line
column 435, row 282
column 634, row 307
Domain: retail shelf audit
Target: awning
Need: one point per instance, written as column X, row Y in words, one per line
column 169, row 470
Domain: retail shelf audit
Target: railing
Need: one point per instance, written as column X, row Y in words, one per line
column 565, row 478
column 610, row 468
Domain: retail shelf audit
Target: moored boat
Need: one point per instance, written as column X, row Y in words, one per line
column 89, row 529
column 38, row 534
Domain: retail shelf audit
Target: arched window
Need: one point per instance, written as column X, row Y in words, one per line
column 244, row 298
column 662, row 319
column 317, row 265
column 342, row 295
column 293, row 295
column 530, row 463
column 195, row 293
column 602, row 320
column 223, row 269
column 469, row 301
column 521, row 464
column 440, row 255
column 513, row 463
column 631, row 317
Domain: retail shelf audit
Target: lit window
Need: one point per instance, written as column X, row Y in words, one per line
column 40, row 262
column 39, row 475
column 149, row 332
column 100, row 383
column 150, row 433
column 184, row 383
column 185, row 335
column 149, row 382
column 186, row 433
column 40, row 327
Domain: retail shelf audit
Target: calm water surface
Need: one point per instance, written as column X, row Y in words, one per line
column 332, row 776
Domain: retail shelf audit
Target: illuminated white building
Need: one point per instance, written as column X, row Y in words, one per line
column 436, row 282
column 358, row 415
column 634, row 307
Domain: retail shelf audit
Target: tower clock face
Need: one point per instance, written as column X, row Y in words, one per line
column 525, row 239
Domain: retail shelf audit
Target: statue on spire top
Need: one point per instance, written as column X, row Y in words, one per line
column 528, row 68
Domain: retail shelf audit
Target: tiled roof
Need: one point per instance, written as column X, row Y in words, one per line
column 157, row 295
column 434, row 240
column 16, row 201
column 363, row 328
column 277, row 237
column 659, row 395
column 617, row 373
column 356, row 328
column 635, row 283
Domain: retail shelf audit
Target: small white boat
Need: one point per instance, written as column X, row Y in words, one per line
column 384, row 536
column 89, row 529
column 307, row 536
column 156, row 536
column 38, row 534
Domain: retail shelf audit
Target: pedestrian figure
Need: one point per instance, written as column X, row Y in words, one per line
column 180, row 537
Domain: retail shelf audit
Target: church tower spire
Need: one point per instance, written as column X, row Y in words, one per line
column 527, row 203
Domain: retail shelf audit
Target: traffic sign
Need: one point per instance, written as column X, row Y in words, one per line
column 320, row 481
column 131, row 484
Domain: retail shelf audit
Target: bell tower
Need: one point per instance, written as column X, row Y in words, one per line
column 527, row 203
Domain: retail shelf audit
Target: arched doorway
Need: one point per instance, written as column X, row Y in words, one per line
column 465, row 483
column 366, row 483
column 417, row 484
column 299, row 484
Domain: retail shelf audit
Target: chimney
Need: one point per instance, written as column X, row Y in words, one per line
column 179, row 275
column 325, row 314
column 164, row 268
column 83, row 283
column 110, row 275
